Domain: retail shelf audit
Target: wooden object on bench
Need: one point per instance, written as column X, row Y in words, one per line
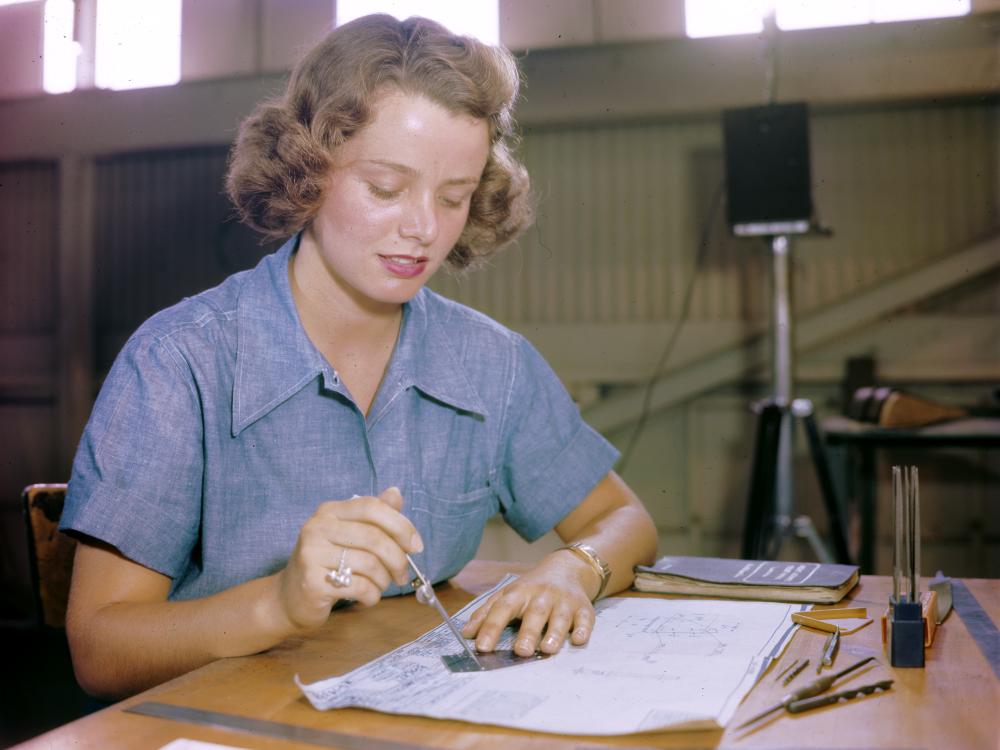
column 50, row 552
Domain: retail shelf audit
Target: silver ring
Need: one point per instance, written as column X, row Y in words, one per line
column 341, row 577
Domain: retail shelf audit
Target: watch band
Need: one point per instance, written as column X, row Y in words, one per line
column 589, row 554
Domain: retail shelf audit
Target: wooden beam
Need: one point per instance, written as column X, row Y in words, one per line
column 733, row 362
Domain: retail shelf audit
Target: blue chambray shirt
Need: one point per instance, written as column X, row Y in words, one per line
column 220, row 428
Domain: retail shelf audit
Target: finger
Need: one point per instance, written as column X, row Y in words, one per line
column 471, row 626
column 392, row 497
column 560, row 622
column 506, row 606
column 375, row 511
column 360, row 562
column 364, row 537
column 529, row 635
column 360, row 588
column 583, row 625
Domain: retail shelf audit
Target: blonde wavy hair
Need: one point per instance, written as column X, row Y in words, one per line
column 284, row 151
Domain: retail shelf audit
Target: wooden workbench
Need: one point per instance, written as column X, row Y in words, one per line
column 952, row 703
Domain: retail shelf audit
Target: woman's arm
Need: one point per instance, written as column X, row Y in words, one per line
column 554, row 598
column 125, row 636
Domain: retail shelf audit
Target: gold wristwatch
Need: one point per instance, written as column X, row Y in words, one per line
column 589, row 554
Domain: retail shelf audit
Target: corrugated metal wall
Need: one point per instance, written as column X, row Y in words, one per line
column 164, row 229
column 29, row 308
column 28, row 209
column 621, row 209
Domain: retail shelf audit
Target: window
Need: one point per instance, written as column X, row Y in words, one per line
column 719, row 17
column 59, row 50
column 138, row 43
column 478, row 18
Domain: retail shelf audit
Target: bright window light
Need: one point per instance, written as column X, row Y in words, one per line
column 910, row 10
column 138, row 43
column 724, row 17
column 815, row 14
column 59, row 50
column 720, row 17
column 477, row 18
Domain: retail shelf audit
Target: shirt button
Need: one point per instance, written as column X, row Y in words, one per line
column 336, row 378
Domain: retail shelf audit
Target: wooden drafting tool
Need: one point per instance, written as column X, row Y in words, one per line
column 784, row 671
column 795, row 672
column 941, row 585
column 829, row 651
column 425, row 595
column 817, row 619
column 810, row 690
column 797, row 707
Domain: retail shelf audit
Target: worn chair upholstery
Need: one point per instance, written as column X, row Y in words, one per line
column 50, row 552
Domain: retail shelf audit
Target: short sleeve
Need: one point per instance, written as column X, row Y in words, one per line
column 550, row 458
column 136, row 480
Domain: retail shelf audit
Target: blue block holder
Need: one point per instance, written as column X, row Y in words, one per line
column 906, row 634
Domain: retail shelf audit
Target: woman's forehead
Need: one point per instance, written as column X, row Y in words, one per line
column 410, row 129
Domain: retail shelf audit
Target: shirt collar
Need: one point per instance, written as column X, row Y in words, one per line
column 275, row 358
column 426, row 358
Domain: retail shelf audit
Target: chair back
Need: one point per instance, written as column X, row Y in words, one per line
column 50, row 552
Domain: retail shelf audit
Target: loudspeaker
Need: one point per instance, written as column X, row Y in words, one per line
column 768, row 181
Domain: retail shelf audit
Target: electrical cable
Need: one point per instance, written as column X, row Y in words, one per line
column 705, row 238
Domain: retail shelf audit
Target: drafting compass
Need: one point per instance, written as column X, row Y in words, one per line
column 470, row 661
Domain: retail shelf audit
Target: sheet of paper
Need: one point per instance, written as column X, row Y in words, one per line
column 651, row 664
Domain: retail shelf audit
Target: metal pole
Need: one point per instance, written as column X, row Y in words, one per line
column 782, row 375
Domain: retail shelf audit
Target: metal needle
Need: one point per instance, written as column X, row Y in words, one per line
column 425, row 595
column 811, row 690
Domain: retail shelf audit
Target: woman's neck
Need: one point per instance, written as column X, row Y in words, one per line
column 331, row 314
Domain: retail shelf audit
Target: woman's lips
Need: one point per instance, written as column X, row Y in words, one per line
column 403, row 266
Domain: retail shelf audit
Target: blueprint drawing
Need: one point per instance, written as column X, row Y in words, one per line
column 651, row 664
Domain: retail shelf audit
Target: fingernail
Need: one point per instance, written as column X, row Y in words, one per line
column 417, row 543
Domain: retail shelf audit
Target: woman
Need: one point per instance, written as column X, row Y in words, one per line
column 280, row 443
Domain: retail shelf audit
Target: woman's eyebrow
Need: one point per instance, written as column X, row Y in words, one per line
column 410, row 171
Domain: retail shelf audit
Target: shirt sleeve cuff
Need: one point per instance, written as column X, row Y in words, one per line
column 563, row 485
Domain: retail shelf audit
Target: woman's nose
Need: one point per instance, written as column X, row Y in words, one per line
column 419, row 221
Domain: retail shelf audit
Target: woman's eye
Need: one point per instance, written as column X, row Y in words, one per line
column 451, row 202
column 381, row 193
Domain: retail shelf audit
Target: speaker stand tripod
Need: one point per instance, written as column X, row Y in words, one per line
column 770, row 505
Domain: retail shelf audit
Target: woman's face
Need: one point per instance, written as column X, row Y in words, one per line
column 397, row 199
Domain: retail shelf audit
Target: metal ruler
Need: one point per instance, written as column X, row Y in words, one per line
column 263, row 728
column 307, row 735
column 982, row 629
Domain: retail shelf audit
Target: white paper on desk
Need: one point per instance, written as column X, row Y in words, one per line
column 651, row 664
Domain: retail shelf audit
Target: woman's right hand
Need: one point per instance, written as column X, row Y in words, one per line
column 369, row 534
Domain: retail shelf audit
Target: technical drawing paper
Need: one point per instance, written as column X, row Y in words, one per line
column 651, row 664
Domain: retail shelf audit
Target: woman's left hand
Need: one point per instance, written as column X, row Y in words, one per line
column 552, row 600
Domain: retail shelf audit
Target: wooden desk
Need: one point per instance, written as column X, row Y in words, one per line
column 953, row 703
column 863, row 440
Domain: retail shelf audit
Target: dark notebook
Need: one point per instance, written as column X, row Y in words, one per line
column 822, row 583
